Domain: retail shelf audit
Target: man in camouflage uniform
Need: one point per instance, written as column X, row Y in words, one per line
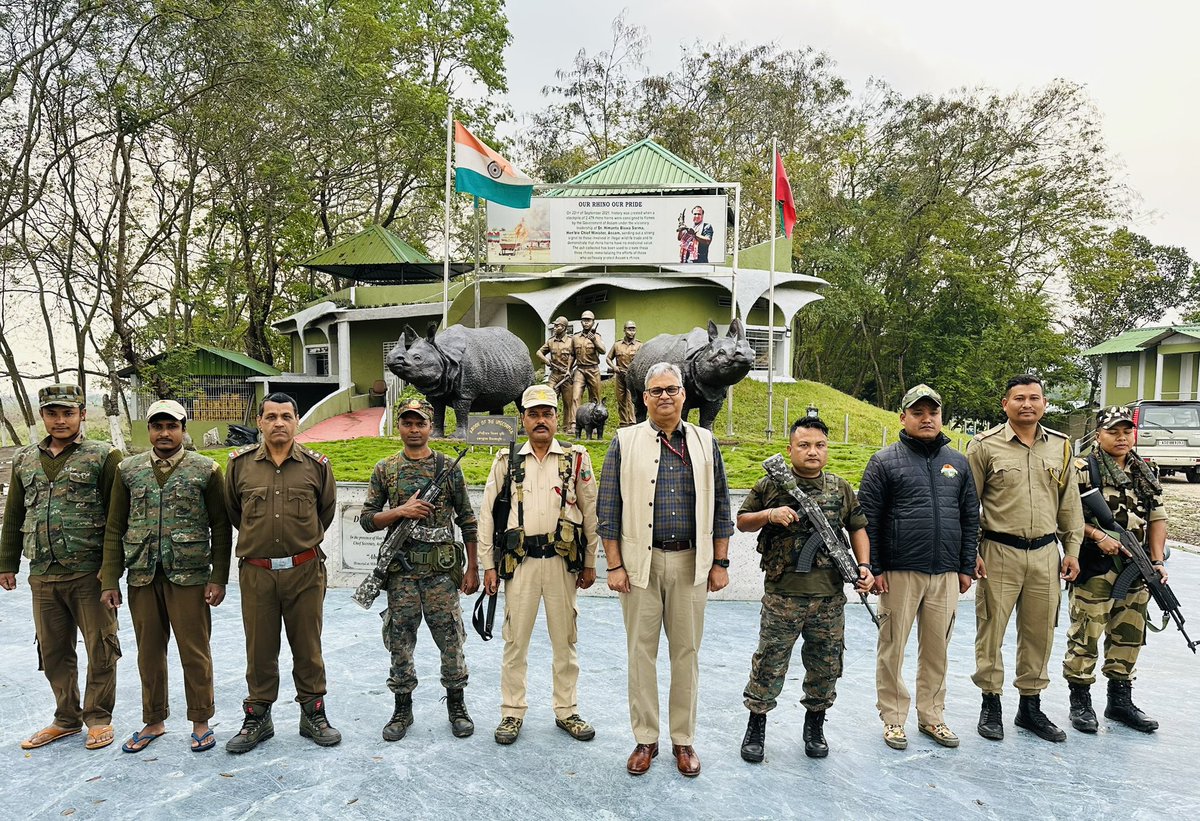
column 56, row 511
column 432, row 585
column 809, row 604
column 620, row 357
column 1134, row 495
column 559, row 355
column 588, row 348
column 167, row 524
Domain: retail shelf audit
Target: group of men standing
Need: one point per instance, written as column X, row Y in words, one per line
column 573, row 361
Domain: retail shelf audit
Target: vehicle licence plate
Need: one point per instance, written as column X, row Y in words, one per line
column 1172, row 442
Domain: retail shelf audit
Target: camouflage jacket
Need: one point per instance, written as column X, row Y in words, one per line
column 394, row 481
column 168, row 525
column 1130, row 511
column 64, row 519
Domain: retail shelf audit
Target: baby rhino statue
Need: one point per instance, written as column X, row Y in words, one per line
column 591, row 418
column 469, row 369
column 709, row 364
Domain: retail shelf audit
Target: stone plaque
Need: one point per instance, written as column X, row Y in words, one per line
column 491, row 430
column 360, row 551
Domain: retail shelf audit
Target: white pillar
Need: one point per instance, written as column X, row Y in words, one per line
column 1141, row 392
column 343, row 354
column 1158, row 374
column 1186, row 368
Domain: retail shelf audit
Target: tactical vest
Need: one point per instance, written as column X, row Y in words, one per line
column 780, row 546
column 64, row 519
column 568, row 538
column 168, row 525
column 430, row 548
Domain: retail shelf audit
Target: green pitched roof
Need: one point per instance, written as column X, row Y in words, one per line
column 375, row 254
column 1136, row 339
column 643, row 162
column 247, row 362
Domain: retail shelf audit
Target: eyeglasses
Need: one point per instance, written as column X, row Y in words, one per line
column 669, row 390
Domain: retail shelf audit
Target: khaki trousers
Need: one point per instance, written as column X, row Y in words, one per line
column 536, row 581
column 156, row 609
column 591, row 378
column 628, row 415
column 293, row 599
column 1027, row 580
column 567, row 392
column 672, row 603
column 932, row 601
column 62, row 609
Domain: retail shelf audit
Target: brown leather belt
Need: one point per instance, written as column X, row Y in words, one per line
column 673, row 547
column 285, row 563
column 1017, row 541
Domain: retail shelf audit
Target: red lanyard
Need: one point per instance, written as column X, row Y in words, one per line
column 682, row 453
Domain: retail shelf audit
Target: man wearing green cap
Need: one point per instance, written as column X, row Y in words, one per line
column 56, row 512
column 167, row 524
column 430, row 585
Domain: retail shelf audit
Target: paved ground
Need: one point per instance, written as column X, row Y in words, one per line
column 430, row 774
column 345, row 426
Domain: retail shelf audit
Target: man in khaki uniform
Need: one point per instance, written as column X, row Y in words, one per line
column 167, row 524
column 56, row 510
column 547, row 551
column 281, row 497
column 1024, row 475
column 559, row 355
column 620, row 357
column 588, row 347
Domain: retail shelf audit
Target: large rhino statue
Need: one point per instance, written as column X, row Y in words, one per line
column 468, row 369
column 709, row 364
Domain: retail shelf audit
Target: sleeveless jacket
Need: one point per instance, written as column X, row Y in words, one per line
column 64, row 519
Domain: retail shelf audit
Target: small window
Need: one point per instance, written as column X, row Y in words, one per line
column 1124, row 376
column 317, row 360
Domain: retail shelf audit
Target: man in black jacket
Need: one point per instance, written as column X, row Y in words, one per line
column 923, row 522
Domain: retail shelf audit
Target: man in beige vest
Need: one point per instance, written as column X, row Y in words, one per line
column 545, row 552
column 665, row 522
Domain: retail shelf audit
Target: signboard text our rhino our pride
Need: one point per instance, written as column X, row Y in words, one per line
column 609, row 230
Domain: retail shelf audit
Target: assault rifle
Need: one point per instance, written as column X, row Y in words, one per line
column 570, row 375
column 1139, row 566
column 823, row 537
column 395, row 543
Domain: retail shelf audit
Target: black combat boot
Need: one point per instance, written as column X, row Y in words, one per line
column 1030, row 717
column 256, row 727
column 314, row 724
column 754, row 744
column 401, row 719
column 991, row 719
column 460, row 723
column 814, row 734
column 1121, row 707
column 1083, row 717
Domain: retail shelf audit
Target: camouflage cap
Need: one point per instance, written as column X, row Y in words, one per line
column 168, row 407
column 539, row 395
column 919, row 392
column 1114, row 415
column 418, row 406
column 61, row 393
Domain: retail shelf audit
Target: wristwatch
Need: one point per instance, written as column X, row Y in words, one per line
column 721, row 563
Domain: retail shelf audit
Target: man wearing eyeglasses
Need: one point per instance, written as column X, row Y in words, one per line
column 665, row 522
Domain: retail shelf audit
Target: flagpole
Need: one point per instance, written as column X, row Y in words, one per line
column 476, row 238
column 446, row 233
column 733, row 303
column 771, row 299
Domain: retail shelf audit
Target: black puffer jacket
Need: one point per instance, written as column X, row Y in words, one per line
column 922, row 509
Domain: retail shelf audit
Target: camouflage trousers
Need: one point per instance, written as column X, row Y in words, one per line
column 821, row 620
column 436, row 598
column 1122, row 622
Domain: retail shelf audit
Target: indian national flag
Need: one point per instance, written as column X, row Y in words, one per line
column 481, row 171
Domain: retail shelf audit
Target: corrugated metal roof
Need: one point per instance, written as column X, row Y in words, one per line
column 1136, row 339
column 643, row 162
column 247, row 362
column 374, row 246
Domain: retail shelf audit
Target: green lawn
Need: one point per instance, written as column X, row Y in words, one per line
column 743, row 452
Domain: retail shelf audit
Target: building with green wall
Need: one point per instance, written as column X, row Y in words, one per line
column 1149, row 363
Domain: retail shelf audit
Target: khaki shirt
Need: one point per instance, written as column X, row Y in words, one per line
column 588, row 348
column 542, row 496
column 622, row 353
column 561, row 352
column 1027, row 491
column 279, row 510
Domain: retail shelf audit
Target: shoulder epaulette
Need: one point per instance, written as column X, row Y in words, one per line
column 1054, row 432
column 320, row 458
column 244, row 449
column 989, row 432
column 1080, row 464
column 578, row 449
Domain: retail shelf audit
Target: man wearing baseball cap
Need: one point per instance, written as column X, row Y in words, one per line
column 430, row 583
column 168, row 527
column 56, row 510
column 544, row 552
column 923, row 524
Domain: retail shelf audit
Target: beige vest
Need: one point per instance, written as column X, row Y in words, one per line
column 639, row 469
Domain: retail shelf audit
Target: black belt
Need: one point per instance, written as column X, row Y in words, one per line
column 539, row 547
column 674, row 547
column 1017, row 541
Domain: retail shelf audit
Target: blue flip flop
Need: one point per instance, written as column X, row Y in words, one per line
column 137, row 742
column 202, row 744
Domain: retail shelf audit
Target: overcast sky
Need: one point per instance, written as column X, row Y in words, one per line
column 1139, row 63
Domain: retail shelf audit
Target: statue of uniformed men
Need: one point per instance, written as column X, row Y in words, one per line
column 559, row 355
column 620, row 357
column 589, row 347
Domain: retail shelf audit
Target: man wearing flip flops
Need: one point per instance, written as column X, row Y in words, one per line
column 56, row 512
column 167, row 525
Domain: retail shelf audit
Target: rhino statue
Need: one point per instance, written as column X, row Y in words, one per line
column 591, row 419
column 709, row 364
column 468, row 369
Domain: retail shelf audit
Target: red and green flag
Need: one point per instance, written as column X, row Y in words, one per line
column 783, row 197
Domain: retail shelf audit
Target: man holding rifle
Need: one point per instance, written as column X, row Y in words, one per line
column 1134, row 495
column 427, row 574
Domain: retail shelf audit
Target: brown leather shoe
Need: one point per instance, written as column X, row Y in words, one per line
column 686, row 759
column 640, row 758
